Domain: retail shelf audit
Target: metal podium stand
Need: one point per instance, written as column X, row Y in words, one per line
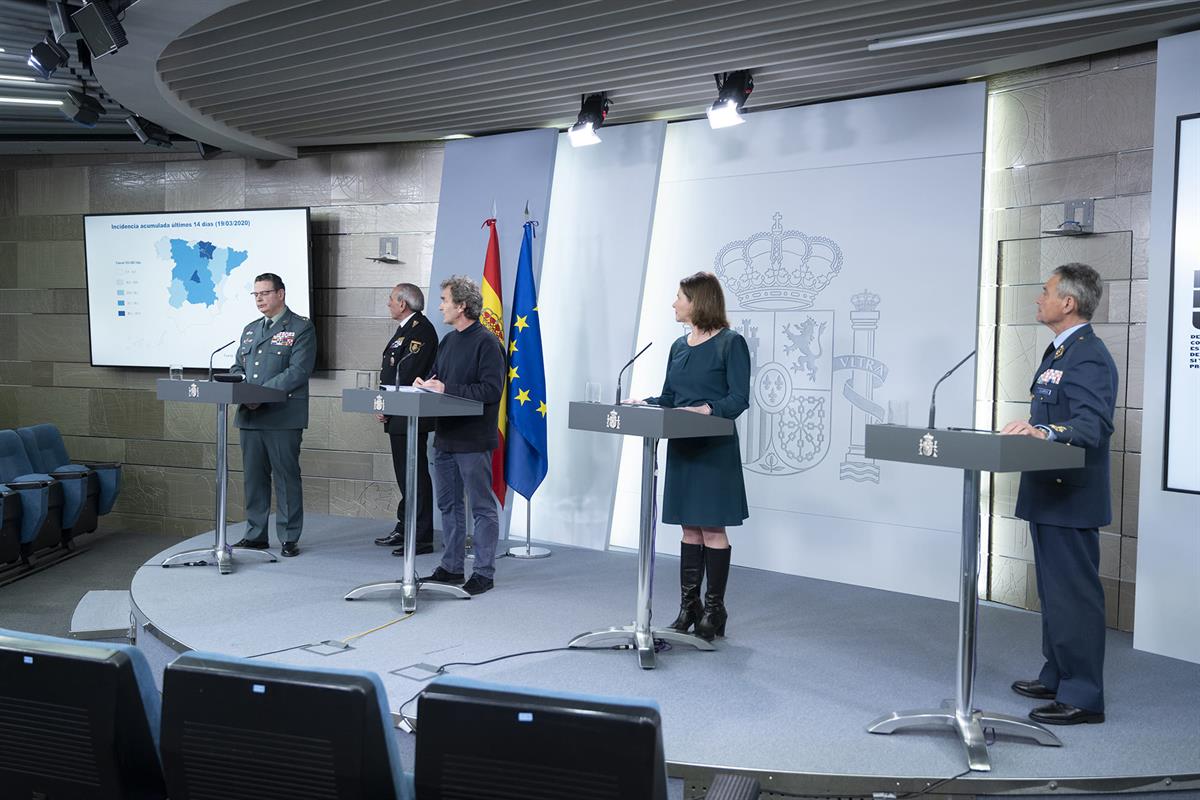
column 222, row 395
column 651, row 423
column 408, row 401
column 972, row 452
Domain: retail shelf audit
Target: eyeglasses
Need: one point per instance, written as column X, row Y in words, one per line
column 259, row 295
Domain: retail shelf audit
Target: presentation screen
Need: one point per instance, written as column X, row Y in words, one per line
column 169, row 288
column 1182, row 440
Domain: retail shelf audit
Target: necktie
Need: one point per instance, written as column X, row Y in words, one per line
column 1050, row 348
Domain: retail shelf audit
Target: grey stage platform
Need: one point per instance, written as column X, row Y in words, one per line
column 806, row 666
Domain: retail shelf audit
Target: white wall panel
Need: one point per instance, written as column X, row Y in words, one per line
column 873, row 208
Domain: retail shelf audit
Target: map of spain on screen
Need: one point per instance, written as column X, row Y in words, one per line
column 170, row 288
column 198, row 269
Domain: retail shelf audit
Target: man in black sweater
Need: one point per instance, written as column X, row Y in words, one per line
column 470, row 364
column 409, row 355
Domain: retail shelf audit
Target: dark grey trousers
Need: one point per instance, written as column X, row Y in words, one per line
column 268, row 456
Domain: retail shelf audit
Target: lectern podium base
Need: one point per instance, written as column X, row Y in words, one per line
column 408, row 597
column 970, row 729
column 220, row 557
column 642, row 641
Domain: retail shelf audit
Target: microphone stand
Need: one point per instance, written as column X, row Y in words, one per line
column 213, row 355
column 933, row 395
column 627, row 365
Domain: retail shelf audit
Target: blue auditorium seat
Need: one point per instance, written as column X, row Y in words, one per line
column 48, row 454
column 544, row 744
column 250, row 730
column 40, row 496
column 78, row 720
column 10, row 525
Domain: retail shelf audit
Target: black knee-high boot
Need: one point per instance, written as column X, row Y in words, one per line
column 691, row 573
column 716, row 565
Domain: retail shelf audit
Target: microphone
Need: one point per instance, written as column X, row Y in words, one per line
column 933, row 395
column 627, row 366
column 214, row 353
column 396, row 382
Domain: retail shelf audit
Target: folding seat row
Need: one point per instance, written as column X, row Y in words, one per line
column 45, row 498
column 83, row 720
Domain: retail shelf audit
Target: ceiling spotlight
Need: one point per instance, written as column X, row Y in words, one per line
column 147, row 132
column 60, row 20
column 593, row 110
column 733, row 89
column 81, row 108
column 47, row 55
column 98, row 26
column 207, row 151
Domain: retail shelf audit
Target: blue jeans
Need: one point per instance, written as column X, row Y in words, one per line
column 455, row 473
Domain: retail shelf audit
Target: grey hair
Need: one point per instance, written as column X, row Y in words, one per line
column 466, row 292
column 411, row 295
column 1083, row 283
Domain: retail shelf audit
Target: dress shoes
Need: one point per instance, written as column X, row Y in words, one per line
column 252, row 544
column 442, row 576
column 478, row 584
column 1033, row 689
column 393, row 539
column 423, row 548
column 1062, row 714
column 289, row 549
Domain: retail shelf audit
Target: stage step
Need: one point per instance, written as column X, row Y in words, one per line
column 103, row 615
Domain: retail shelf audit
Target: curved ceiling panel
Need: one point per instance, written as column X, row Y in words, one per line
column 266, row 76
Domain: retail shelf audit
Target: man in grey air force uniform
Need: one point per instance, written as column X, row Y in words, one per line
column 277, row 350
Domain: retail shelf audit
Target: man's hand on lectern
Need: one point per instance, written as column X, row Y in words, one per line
column 1021, row 427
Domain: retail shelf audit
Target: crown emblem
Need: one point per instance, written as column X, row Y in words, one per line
column 378, row 403
column 193, row 390
column 777, row 268
column 865, row 301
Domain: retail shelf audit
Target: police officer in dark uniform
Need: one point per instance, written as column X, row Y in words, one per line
column 409, row 355
column 1073, row 396
column 277, row 350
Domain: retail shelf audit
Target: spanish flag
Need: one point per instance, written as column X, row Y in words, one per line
column 492, row 318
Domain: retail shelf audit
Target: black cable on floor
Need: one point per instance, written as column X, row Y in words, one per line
column 441, row 670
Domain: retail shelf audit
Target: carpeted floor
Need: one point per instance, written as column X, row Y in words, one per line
column 44, row 601
column 807, row 664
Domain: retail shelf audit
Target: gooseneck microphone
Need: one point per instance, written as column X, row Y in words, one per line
column 627, row 366
column 933, row 395
column 214, row 353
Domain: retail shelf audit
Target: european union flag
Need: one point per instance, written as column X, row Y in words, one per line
column 526, row 454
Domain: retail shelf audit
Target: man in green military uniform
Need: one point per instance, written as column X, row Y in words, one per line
column 278, row 351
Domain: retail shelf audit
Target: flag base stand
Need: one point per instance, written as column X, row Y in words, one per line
column 528, row 550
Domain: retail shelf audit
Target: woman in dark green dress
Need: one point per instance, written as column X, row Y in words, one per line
column 708, row 372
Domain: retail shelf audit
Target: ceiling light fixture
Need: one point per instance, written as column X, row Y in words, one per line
column 733, row 89
column 60, row 21
column 98, row 25
column 28, row 101
column 936, row 37
column 593, row 110
column 47, row 56
column 81, row 108
column 148, row 132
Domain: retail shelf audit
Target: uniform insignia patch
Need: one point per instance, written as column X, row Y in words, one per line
column 1059, row 352
column 1058, row 428
column 285, row 338
column 398, row 343
column 415, row 346
column 1050, row 376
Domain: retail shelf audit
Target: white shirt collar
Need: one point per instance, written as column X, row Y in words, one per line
column 1062, row 337
column 404, row 321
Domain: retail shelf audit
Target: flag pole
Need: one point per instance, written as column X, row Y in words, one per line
column 528, row 550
